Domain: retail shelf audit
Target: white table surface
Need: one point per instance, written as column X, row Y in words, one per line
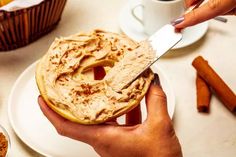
column 201, row 135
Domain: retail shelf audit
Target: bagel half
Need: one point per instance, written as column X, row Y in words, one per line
column 64, row 77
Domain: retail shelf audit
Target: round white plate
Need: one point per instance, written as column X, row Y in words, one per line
column 36, row 131
column 132, row 28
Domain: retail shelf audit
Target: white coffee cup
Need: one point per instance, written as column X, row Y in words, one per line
column 157, row 13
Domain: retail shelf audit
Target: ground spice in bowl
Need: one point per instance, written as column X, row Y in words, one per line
column 3, row 145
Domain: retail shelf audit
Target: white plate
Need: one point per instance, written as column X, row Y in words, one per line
column 36, row 131
column 132, row 28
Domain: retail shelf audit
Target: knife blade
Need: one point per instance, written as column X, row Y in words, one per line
column 161, row 42
column 140, row 59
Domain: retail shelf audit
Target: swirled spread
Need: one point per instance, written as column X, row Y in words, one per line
column 67, row 71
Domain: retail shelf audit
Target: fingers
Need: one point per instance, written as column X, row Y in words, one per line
column 134, row 116
column 207, row 11
column 156, row 102
column 231, row 12
column 83, row 133
column 51, row 115
column 189, row 3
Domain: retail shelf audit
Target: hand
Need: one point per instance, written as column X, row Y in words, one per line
column 154, row 137
column 207, row 11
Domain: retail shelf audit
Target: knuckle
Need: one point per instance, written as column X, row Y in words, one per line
column 61, row 128
column 98, row 137
column 162, row 121
column 164, row 125
column 165, row 121
column 193, row 18
column 188, row 2
column 101, row 138
column 159, row 93
column 213, row 4
column 167, row 126
column 61, row 131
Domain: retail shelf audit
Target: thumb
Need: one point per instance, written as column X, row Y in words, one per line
column 156, row 101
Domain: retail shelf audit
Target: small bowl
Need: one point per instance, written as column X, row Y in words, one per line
column 4, row 131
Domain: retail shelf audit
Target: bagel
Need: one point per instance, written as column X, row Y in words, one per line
column 66, row 81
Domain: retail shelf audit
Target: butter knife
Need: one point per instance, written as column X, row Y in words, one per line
column 160, row 42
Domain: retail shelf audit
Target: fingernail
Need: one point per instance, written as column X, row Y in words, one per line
column 177, row 21
column 156, row 80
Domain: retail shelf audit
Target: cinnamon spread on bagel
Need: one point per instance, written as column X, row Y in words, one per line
column 66, row 81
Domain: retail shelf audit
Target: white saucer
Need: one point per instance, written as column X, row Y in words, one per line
column 37, row 132
column 132, row 28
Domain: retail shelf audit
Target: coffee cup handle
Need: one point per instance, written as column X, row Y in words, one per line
column 134, row 13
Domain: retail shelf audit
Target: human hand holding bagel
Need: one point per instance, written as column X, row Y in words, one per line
column 155, row 136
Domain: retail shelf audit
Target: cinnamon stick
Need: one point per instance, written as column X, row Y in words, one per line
column 222, row 90
column 203, row 95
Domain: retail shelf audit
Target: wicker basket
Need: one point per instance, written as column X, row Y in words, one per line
column 21, row 27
